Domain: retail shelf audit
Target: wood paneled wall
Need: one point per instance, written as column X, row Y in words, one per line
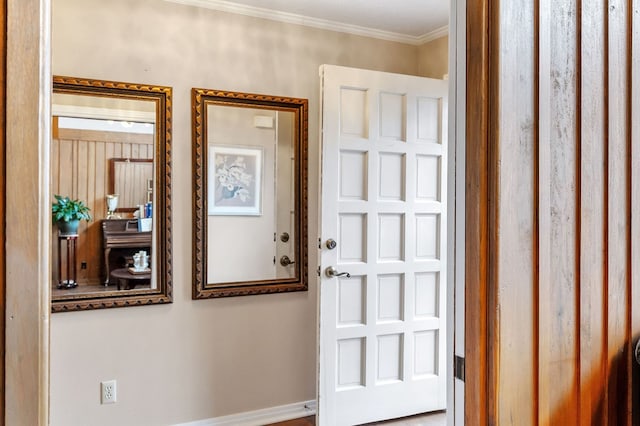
column 553, row 212
column 79, row 169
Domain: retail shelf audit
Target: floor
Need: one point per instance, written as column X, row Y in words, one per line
column 431, row 419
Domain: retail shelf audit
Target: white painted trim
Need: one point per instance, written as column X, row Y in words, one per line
column 435, row 34
column 456, row 303
column 324, row 24
column 260, row 417
column 453, row 211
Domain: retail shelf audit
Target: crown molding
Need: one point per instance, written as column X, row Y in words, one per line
column 292, row 18
column 435, row 34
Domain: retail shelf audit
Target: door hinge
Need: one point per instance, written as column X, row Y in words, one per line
column 458, row 367
column 318, row 271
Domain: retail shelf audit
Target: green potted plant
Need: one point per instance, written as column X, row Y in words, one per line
column 68, row 213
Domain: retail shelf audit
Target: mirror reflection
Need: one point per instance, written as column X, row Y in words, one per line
column 104, row 154
column 250, row 154
column 251, row 194
column 130, row 183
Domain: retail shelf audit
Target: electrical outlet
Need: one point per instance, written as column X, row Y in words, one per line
column 108, row 392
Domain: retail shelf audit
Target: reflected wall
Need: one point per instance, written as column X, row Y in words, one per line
column 238, row 238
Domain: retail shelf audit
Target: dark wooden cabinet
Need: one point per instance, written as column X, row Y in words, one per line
column 120, row 240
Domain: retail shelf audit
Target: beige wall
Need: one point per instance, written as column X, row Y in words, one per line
column 433, row 58
column 193, row 360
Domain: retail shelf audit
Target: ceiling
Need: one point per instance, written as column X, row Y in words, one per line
column 408, row 21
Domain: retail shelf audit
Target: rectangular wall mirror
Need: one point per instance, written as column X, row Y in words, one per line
column 124, row 171
column 250, row 185
column 110, row 150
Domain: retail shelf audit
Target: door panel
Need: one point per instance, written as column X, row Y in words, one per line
column 383, row 327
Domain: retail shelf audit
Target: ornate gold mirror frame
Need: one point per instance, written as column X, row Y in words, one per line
column 158, row 237
column 263, row 113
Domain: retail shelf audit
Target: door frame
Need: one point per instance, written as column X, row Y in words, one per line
column 26, row 176
column 457, row 392
column 3, row 115
column 456, row 206
column 480, row 107
column 474, row 45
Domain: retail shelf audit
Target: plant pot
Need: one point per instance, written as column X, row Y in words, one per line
column 68, row 228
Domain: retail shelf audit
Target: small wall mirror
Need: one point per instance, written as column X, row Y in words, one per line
column 250, row 201
column 110, row 150
column 132, row 180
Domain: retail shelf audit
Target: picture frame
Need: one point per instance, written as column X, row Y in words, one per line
column 234, row 181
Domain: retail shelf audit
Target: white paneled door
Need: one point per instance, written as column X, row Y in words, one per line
column 383, row 284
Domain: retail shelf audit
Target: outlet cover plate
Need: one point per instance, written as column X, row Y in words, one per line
column 108, row 392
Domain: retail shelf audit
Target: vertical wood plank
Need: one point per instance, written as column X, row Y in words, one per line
column 635, row 202
column 592, row 214
column 618, row 241
column 126, row 150
column 514, row 145
column 109, row 152
column 476, row 215
column 75, row 161
column 55, row 189
column 543, row 189
column 81, row 179
column 100, row 206
column 89, row 244
column 558, row 296
column 135, row 151
column 55, row 165
column 65, row 185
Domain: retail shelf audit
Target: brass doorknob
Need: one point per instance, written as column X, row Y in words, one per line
column 285, row 261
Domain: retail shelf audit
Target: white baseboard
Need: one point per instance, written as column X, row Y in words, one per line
column 260, row 417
